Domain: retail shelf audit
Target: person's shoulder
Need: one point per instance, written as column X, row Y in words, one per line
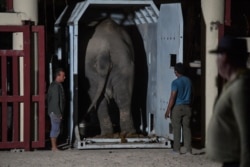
column 175, row 80
column 181, row 78
column 241, row 84
column 184, row 77
column 54, row 84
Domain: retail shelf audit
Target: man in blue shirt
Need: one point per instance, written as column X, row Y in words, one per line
column 179, row 108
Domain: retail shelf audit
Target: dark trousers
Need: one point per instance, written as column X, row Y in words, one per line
column 231, row 164
column 181, row 115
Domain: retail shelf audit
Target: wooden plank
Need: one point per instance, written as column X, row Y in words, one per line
column 11, row 53
column 227, row 13
column 3, row 96
column 14, row 98
column 26, row 99
column 41, row 84
column 27, row 92
column 6, row 28
column 8, row 145
column 16, row 115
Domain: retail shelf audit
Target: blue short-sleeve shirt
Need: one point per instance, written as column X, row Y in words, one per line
column 183, row 86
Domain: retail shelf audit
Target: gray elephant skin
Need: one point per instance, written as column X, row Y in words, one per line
column 109, row 70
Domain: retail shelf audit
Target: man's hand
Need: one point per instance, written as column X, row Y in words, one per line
column 167, row 114
column 171, row 103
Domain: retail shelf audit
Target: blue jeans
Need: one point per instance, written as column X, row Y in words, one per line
column 55, row 125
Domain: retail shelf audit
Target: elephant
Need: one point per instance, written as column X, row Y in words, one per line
column 109, row 69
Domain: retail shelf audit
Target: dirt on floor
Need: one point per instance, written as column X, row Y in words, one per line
column 104, row 158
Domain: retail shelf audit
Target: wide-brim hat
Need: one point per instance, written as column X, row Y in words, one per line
column 233, row 45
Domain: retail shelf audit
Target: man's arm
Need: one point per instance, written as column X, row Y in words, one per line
column 171, row 103
column 242, row 115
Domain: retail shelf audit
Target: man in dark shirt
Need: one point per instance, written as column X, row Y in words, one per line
column 56, row 102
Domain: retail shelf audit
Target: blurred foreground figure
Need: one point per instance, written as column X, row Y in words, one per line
column 228, row 136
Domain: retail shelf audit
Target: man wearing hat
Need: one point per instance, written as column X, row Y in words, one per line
column 228, row 135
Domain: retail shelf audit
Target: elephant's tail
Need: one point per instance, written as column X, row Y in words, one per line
column 99, row 91
column 103, row 72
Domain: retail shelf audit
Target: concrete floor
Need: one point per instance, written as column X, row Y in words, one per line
column 104, row 158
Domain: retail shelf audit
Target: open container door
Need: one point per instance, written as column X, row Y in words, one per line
column 149, row 34
column 162, row 37
column 169, row 52
column 143, row 13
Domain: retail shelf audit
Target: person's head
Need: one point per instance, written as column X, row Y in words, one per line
column 231, row 54
column 179, row 69
column 59, row 75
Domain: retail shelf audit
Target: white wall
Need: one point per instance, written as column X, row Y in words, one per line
column 213, row 11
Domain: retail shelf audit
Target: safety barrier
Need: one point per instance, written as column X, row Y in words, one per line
column 22, row 88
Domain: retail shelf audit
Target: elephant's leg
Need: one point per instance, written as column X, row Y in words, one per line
column 126, row 122
column 104, row 119
column 123, row 101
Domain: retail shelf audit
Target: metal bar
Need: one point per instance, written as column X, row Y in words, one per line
column 140, row 17
column 151, row 13
column 27, row 98
column 58, row 21
column 79, row 6
column 137, row 21
column 180, row 54
column 79, row 13
column 106, row 146
column 71, row 38
column 153, row 142
column 117, row 2
column 123, row 145
column 15, row 68
column 146, row 16
column 129, row 140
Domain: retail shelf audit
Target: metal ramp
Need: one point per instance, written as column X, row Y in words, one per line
column 150, row 142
